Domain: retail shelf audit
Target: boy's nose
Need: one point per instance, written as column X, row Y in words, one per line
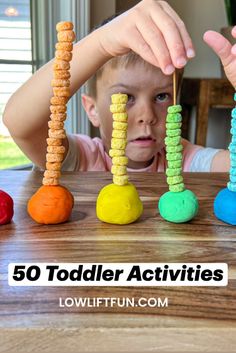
column 147, row 116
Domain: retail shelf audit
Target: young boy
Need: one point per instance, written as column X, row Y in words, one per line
column 135, row 53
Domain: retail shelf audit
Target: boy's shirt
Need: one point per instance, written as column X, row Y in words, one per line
column 87, row 154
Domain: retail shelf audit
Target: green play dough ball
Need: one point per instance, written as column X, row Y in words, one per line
column 178, row 207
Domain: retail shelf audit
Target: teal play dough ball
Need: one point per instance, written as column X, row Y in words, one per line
column 178, row 207
column 225, row 206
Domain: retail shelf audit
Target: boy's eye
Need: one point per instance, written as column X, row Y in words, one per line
column 130, row 98
column 162, row 97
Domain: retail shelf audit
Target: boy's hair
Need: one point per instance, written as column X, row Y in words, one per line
column 131, row 58
column 123, row 61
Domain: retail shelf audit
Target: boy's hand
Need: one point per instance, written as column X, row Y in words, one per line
column 225, row 51
column 154, row 31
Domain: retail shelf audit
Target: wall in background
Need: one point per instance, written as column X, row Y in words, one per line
column 123, row 5
column 101, row 9
column 200, row 16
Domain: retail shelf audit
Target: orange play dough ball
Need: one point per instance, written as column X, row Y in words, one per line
column 51, row 204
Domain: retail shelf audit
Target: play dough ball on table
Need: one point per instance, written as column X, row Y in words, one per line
column 225, row 206
column 6, row 208
column 119, row 204
column 178, row 207
column 51, row 204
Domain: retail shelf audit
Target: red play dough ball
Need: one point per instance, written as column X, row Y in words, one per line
column 6, row 208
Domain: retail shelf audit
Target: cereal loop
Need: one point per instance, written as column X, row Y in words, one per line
column 61, row 91
column 58, row 100
column 61, row 65
column 64, row 26
column 119, row 138
column 63, row 55
column 53, row 165
column 116, row 153
column 57, row 134
column 56, row 125
column 55, row 109
column 58, row 116
column 118, row 108
column 52, row 174
column 56, row 149
column 61, row 74
column 118, row 144
column 117, row 125
column 66, row 36
column 120, row 179
column 54, row 141
column 68, row 46
column 50, row 181
column 60, row 83
column 119, row 98
column 122, row 160
column 122, row 117
column 52, row 157
column 119, row 134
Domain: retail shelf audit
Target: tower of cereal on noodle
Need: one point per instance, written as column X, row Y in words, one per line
column 179, row 204
column 225, row 200
column 53, row 203
column 119, row 202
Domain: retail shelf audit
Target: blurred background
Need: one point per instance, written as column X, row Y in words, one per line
column 27, row 39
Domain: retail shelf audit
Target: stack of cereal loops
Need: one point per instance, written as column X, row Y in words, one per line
column 232, row 149
column 61, row 94
column 119, row 139
column 178, row 205
column 119, row 203
column 225, row 201
column 53, row 203
column 174, row 149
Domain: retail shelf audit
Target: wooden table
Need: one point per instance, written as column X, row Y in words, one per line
column 198, row 319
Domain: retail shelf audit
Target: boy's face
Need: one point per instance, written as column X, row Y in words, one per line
column 149, row 94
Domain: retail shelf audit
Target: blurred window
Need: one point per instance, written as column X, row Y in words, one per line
column 15, row 68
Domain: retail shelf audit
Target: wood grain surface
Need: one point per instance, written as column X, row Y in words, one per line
column 197, row 319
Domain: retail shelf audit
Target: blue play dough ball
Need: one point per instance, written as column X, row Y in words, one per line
column 225, row 206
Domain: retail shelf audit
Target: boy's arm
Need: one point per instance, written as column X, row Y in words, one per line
column 151, row 29
column 221, row 162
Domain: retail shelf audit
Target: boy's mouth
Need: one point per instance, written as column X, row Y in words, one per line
column 144, row 141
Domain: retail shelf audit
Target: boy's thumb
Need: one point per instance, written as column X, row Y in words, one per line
column 220, row 45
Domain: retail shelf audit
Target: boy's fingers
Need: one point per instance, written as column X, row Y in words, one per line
column 141, row 47
column 233, row 49
column 233, row 32
column 172, row 37
column 189, row 48
column 153, row 37
column 220, row 45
